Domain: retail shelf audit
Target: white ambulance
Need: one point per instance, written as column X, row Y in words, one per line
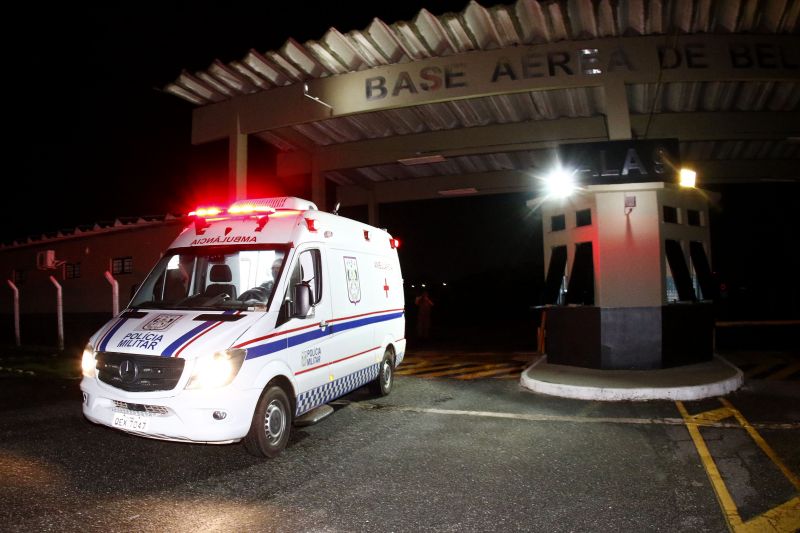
column 255, row 318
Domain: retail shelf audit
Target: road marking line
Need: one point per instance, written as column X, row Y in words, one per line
column 784, row 518
column 455, row 372
column 492, row 372
column 426, row 370
column 712, row 416
column 558, row 418
column 763, row 444
column 763, row 367
column 720, row 490
column 786, row 372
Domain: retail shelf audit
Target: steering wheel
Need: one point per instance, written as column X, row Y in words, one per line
column 259, row 294
column 221, row 297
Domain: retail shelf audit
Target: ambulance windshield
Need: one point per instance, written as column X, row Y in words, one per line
column 212, row 278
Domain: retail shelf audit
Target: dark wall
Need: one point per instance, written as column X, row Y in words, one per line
column 481, row 260
column 756, row 250
column 41, row 329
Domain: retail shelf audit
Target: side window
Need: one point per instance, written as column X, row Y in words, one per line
column 310, row 265
column 306, row 269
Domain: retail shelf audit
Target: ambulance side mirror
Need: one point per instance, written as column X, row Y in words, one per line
column 302, row 300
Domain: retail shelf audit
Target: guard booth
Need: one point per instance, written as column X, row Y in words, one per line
column 628, row 280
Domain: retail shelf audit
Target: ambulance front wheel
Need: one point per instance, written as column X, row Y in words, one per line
column 382, row 386
column 272, row 420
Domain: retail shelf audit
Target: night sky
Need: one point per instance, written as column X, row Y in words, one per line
column 93, row 138
column 87, row 117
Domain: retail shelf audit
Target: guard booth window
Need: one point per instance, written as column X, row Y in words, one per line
column 679, row 272
column 555, row 275
column 581, row 282
column 702, row 270
column 671, row 214
column 583, row 217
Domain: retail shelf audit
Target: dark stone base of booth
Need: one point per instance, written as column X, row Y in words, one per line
column 630, row 337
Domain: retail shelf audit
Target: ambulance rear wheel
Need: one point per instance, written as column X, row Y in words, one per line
column 382, row 386
column 272, row 422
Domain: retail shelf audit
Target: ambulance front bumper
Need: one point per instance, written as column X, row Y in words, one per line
column 215, row 416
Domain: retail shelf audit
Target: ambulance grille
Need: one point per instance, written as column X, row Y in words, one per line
column 139, row 409
column 139, row 373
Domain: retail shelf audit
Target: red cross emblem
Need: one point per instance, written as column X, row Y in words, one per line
column 386, row 287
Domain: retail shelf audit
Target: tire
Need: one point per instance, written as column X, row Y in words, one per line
column 382, row 386
column 272, row 422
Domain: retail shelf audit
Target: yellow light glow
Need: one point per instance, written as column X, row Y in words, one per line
column 688, row 177
column 206, row 212
column 216, row 371
column 239, row 209
column 88, row 363
column 212, row 373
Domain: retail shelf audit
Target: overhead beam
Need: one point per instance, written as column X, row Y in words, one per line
column 565, row 64
column 746, row 170
column 718, row 125
column 433, row 187
column 509, row 181
column 451, row 143
column 543, row 134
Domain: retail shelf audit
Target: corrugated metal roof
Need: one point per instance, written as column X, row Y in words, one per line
column 483, row 111
column 482, row 28
column 479, row 28
column 122, row 223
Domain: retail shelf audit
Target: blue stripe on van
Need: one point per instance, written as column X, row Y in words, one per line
column 169, row 350
column 302, row 338
column 110, row 334
column 365, row 321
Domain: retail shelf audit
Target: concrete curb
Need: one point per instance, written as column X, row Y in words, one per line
column 731, row 378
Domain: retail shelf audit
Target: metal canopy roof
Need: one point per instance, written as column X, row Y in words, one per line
column 526, row 22
column 479, row 28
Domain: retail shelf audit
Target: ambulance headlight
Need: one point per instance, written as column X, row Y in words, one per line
column 88, row 362
column 217, row 370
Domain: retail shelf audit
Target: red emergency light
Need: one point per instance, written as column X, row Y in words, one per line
column 206, row 212
column 394, row 243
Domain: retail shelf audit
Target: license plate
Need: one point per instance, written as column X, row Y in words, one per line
column 130, row 422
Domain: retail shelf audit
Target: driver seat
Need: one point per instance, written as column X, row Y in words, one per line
column 220, row 278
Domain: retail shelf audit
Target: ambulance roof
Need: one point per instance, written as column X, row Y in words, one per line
column 281, row 221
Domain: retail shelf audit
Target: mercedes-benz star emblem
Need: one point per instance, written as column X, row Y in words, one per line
column 128, row 371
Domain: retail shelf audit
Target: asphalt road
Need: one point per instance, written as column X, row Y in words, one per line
column 435, row 455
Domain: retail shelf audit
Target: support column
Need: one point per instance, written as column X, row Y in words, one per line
column 318, row 190
column 372, row 209
column 618, row 116
column 237, row 164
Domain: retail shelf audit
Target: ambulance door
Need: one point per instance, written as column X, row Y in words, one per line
column 307, row 353
column 354, row 308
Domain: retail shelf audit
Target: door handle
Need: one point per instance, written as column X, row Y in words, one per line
column 323, row 325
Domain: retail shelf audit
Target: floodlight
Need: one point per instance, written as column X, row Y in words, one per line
column 688, row 177
column 560, row 183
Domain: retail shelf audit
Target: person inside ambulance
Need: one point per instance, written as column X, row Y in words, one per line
column 173, row 287
column 177, row 285
column 260, row 294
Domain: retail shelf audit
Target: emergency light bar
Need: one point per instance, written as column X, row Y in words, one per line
column 257, row 206
column 271, row 204
column 206, row 212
